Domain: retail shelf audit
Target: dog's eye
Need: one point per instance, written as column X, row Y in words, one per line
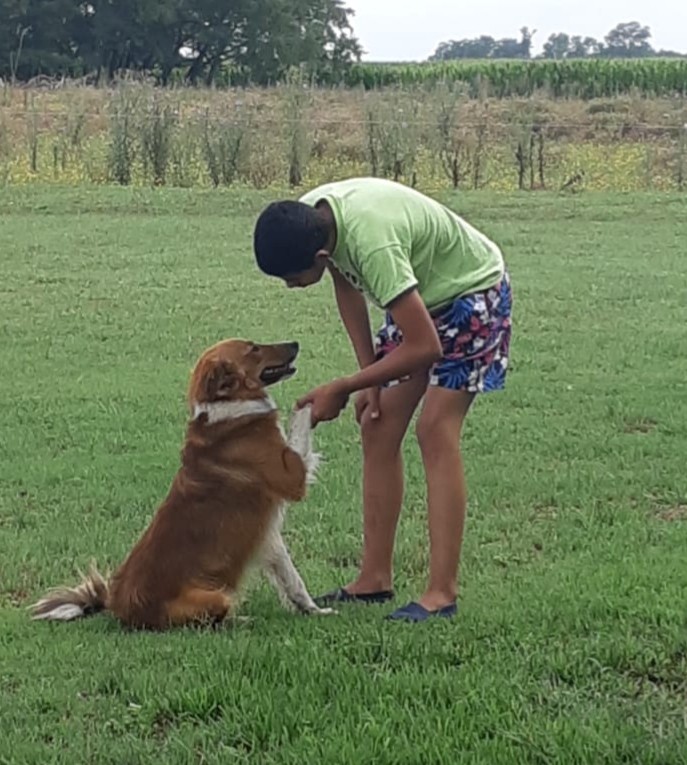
column 254, row 348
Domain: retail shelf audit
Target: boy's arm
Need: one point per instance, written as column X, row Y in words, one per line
column 389, row 277
column 355, row 316
column 420, row 348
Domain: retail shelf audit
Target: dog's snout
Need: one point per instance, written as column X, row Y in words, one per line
column 294, row 347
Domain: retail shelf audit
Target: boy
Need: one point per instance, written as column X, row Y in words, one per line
column 446, row 338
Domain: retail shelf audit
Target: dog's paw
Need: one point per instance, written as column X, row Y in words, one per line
column 323, row 612
column 242, row 619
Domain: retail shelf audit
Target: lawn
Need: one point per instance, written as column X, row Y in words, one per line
column 571, row 645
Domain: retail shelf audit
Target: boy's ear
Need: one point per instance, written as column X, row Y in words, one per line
column 222, row 381
column 322, row 255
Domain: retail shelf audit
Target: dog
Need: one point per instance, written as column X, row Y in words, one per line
column 224, row 509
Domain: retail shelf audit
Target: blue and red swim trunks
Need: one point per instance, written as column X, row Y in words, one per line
column 475, row 333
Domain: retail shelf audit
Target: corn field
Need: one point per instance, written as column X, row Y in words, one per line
column 586, row 79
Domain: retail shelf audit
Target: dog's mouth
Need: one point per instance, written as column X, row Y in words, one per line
column 271, row 375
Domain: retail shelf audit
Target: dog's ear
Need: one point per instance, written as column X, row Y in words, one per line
column 222, row 381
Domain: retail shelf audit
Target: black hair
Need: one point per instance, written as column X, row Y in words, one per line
column 287, row 237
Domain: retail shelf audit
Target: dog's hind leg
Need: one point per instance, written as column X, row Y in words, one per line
column 284, row 576
column 198, row 606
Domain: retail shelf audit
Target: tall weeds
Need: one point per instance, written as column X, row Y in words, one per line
column 297, row 102
column 295, row 135
column 156, row 137
column 225, row 144
column 393, row 136
column 122, row 134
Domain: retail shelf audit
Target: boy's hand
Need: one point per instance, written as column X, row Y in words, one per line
column 327, row 401
column 367, row 401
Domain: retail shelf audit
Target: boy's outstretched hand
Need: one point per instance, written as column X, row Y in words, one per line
column 327, row 401
column 420, row 349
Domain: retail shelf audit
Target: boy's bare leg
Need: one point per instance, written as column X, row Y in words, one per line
column 439, row 429
column 383, row 483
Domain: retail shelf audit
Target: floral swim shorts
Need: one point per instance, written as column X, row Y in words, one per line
column 475, row 332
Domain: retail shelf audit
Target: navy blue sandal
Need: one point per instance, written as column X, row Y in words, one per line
column 414, row 613
column 343, row 596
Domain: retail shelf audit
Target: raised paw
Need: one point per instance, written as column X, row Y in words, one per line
column 300, row 428
column 312, row 463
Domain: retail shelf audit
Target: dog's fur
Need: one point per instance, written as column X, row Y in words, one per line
column 224, row 508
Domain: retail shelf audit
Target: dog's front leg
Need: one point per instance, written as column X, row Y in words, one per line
column 299, row 462
column 300, row 440
column 283, row 575
column 279, row 567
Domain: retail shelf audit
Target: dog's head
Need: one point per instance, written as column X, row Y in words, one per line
column 238, row 370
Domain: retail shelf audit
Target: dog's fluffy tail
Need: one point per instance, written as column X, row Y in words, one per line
column 67, row 603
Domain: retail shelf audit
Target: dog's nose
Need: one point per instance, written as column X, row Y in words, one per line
column 295, row 347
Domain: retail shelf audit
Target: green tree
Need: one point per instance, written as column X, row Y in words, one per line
column 557, row 46
column 265, row 38
column 130, row 34
column 562, row 46
column 269, row 37
column 480, row 47
column 486, row 47
column 584, row 47
column 36, row 37
column 512, row 48
column 629, row 40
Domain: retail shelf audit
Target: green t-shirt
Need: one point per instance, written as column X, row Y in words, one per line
column 391, row 238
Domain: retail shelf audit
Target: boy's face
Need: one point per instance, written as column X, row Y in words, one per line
column 309, row 277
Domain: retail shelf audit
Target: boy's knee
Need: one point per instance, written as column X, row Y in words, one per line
column 435, row 435
column 371, row 431
column 377, row 438
column 440, row 423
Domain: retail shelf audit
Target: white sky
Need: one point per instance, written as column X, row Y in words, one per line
column 408, row 30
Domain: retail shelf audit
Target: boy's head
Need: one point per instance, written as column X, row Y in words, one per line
column 290, row 242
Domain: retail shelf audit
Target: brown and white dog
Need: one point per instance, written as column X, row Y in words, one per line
column 224, row 509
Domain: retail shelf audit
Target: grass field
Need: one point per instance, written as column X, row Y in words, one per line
column 572, row 644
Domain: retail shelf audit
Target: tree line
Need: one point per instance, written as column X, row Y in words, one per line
column 256, row 41
column 627, row 40
column 191, row 39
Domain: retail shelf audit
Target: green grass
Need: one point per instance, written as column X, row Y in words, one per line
column 571, row 646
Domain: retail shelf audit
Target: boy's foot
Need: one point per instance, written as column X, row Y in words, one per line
column 342, row 595
column 414, row 612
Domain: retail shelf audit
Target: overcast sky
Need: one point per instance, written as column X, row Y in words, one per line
column 406, row 30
